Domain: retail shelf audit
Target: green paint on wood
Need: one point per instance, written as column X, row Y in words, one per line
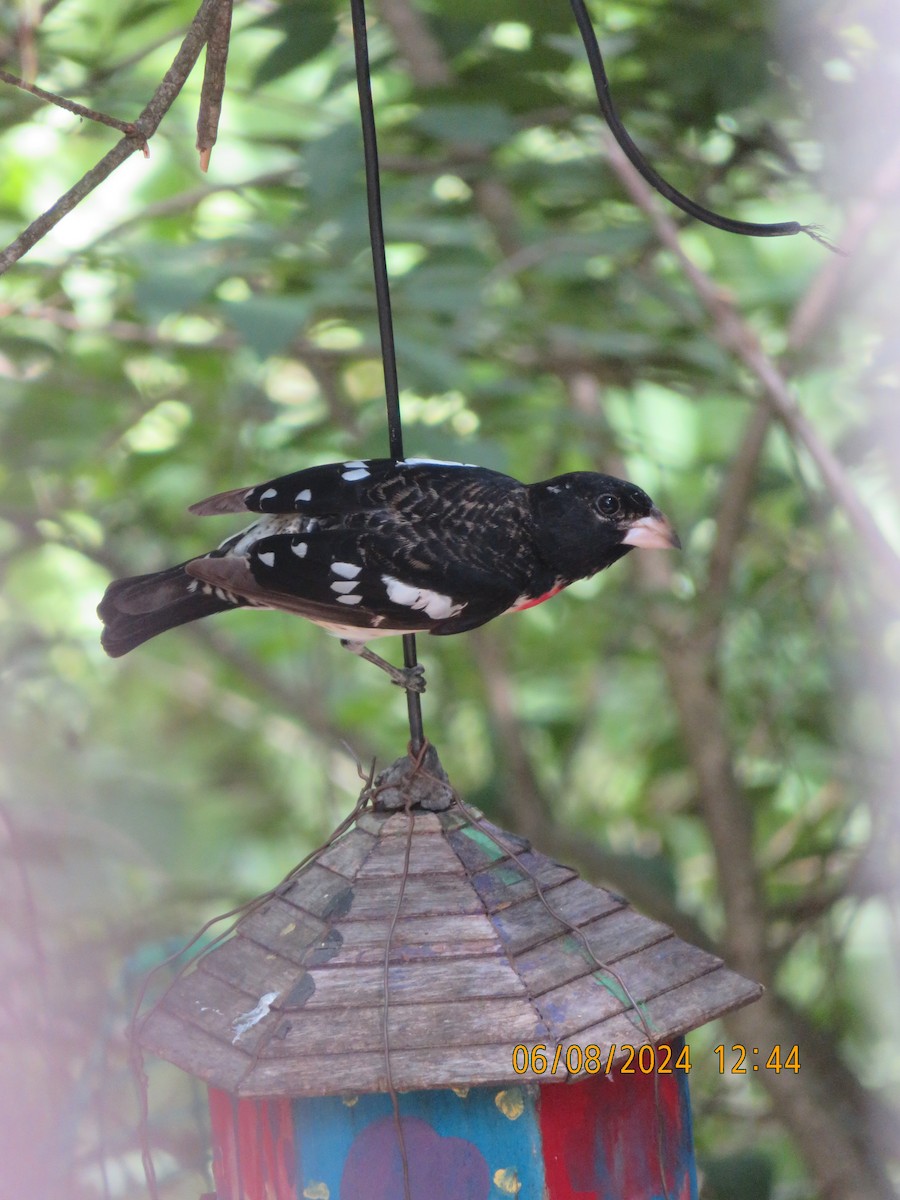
column 635, row 1011
column 486, row 844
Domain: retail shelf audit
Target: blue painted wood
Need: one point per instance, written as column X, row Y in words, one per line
column 484, row 1144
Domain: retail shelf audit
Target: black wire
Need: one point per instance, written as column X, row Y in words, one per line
column 376, row 227
column 652, row 176
column 383, row 302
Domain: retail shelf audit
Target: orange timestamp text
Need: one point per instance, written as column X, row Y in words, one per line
column 750, row 1058
column 573, row 1059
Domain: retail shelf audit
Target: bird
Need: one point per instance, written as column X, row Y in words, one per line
column 379, row 547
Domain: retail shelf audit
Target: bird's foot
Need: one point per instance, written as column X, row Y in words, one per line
column 411, row 679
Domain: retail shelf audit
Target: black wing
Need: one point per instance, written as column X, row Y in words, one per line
column 371, row 583
column 353, row 486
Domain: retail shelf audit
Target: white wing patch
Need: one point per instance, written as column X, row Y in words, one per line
column 355, row 470
column 267, row 559
column 269, row 494
column 344, row 586
column 435, row 605
column 299, row 548
column 345, row 570
column 432, row 462
column 306, row 494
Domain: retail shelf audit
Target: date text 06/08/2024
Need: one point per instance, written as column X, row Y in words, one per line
column 646, row 1060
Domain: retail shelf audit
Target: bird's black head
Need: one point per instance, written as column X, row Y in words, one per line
column 585, row 522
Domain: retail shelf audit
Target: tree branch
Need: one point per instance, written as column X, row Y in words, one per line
column 89, row 114
column 213, row 88
column 736, row 336
column 829, row 1129
column 415, row 41
column 144, row 128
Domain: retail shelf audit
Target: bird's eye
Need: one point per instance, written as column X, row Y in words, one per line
column 608, row 505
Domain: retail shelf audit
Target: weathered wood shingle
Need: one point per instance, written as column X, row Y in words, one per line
column 480, row 961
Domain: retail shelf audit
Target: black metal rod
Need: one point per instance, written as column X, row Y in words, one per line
column 652, row 176
column 383, row 302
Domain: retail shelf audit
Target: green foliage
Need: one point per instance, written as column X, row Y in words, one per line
column 740, row 1177
column 179, row 334
column 307, row 28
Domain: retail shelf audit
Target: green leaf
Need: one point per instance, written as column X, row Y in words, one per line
column 308, row 28
column 746, row 1176
column 268, row 323
column 467, row 124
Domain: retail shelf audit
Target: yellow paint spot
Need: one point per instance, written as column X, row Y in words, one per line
column 289, row 928
column 507, row 1181
column 461, row 1092
column 350, row 1101
column 317, row 1191
column 510, row 1103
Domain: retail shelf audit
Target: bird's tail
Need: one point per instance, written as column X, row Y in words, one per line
column 136, row 609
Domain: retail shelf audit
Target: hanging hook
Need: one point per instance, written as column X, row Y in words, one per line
column 652, row 176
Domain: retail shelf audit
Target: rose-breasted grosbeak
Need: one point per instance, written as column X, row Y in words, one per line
column 367, row 549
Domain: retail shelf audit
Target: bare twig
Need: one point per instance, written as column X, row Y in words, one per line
column 418, row 45
column 120, row 331
column 42, row 226
column 728, row 816
column 171, row 205
column 144, row 128
column 89, row 114
column 213, row 81
column 26, row 44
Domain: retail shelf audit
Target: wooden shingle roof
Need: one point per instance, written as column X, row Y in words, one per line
column 481, row 961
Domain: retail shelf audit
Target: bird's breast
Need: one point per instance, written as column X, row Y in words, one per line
column 526, row 601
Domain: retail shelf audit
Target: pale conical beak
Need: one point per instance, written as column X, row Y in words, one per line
column 653, row 532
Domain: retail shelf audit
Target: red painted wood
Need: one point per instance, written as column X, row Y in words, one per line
column 253, row 1148
column 611, row 1138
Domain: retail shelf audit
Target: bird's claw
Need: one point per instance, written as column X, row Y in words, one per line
column 411, row 679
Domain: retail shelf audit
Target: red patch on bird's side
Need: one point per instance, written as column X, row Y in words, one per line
column 522, row 605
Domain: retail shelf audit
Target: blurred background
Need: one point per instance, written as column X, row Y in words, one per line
column 711, row 733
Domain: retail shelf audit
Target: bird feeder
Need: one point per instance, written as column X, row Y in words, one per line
column 433, row 1009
